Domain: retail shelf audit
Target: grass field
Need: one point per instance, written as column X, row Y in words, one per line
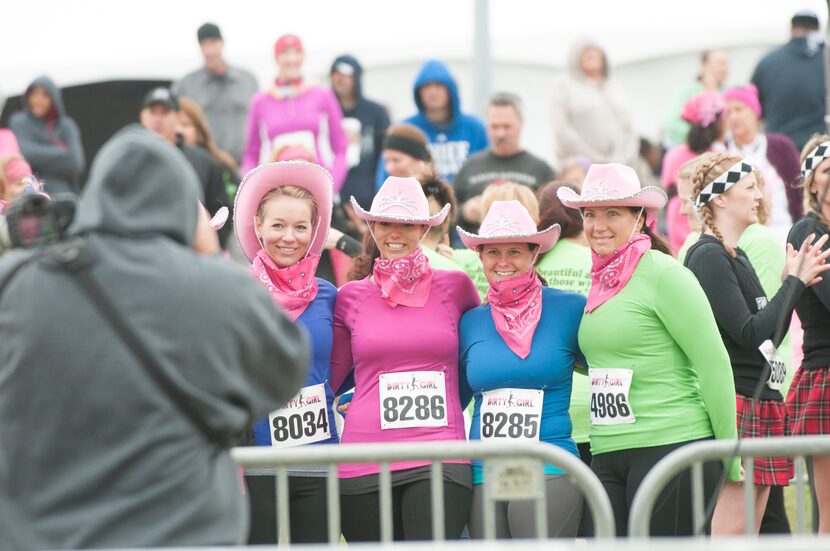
column 789, row 502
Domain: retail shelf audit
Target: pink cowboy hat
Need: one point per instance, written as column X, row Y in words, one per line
column 509, row 222
column 259, row 181
column 401, row 200
column 613, row 185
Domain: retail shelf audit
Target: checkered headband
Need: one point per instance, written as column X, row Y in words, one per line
column 722, row 183
column 818, row 154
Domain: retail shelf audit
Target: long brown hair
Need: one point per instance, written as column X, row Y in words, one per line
column 200, row 122
column 711, row 166
column 362, row 265
column 552, row 211
column 658, row 242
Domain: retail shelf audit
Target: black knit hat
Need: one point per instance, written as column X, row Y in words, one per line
column 208, row 30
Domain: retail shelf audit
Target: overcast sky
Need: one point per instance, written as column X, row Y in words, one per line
column 81, row 40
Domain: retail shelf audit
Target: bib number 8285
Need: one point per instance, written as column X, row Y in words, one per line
column 297, row 425
column 609, row 404
column 517, row 425
column 407, row 408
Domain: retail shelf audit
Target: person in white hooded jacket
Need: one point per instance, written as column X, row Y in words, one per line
column 590, row 116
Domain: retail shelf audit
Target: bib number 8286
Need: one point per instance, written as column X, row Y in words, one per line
column 297, row 425
column 517, row 425
column 609, row 404
column 407, row 408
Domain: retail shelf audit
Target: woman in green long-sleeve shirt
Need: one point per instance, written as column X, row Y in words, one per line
column 660, row 376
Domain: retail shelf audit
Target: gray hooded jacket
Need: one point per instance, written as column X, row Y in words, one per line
column 92, row 452
column 52, row 145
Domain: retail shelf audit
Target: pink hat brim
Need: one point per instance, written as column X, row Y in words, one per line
column 262, row 179
column 650, row 198
column 546, row 238
column 433, row 220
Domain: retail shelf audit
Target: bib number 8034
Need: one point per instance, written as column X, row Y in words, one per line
column 514, row 425
column 417, row 408
column 299, row 425
column 609, row 405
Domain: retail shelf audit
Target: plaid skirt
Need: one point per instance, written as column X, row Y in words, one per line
column 808, row 402
column 766, row 418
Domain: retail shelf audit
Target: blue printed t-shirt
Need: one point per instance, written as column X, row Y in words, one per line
column 489, row 364
column 318, row 319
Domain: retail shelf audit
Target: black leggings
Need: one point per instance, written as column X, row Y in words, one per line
column 775, row 519
column 307, row 509
column 622, row 472
column 411, row 512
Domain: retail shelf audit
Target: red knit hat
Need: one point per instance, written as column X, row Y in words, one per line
column 287, row 41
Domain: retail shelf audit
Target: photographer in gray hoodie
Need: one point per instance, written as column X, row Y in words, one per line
column 93, row 453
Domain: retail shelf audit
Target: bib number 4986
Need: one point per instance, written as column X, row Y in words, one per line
column 610, row 405
column 609, row 396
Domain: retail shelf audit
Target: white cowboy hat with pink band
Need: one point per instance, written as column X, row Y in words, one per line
column 259, row 181
column 402, row 201
column 613, row 185
column 509, row 222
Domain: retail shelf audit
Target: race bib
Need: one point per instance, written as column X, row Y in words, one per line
column 777, row 367
column 513, row 413
column 303, row 420
column 609, row 396
column 413, row 399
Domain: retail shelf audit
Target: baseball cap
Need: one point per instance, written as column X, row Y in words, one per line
column 161, row 96
column 344, row 68
column 208, row 30
column 805, row 18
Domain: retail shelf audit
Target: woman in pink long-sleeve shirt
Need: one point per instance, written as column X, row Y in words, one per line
column 397, row 328
column 290, row 112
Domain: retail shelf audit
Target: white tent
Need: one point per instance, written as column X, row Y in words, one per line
column 653, row 45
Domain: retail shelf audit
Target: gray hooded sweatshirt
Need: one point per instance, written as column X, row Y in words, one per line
column 52, row 145
column 92, row 452
column 590, row 119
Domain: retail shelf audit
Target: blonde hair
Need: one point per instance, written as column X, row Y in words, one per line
column 709, row 167
column 294, row 192
column 811, row 199
column 508, row 191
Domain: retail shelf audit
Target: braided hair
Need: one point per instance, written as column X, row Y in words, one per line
column 811, row 200
column 710, row 166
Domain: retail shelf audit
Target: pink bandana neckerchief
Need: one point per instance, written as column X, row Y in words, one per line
column 404, row 280
column 291, row 288
column 516, row 307
column 610, row 273
column 283, row 88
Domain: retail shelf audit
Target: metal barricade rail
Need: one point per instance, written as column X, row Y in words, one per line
column 694, row 455
column 256, row 457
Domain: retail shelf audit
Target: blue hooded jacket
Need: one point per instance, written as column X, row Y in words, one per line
column 452, row 143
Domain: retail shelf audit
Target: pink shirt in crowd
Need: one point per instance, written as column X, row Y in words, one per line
column 378, row 339
column 303, row 112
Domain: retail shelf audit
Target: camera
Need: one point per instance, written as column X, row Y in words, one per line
column 34, row 220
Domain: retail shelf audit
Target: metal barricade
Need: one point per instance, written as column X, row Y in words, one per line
column 694, row 455
column 256, row 457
